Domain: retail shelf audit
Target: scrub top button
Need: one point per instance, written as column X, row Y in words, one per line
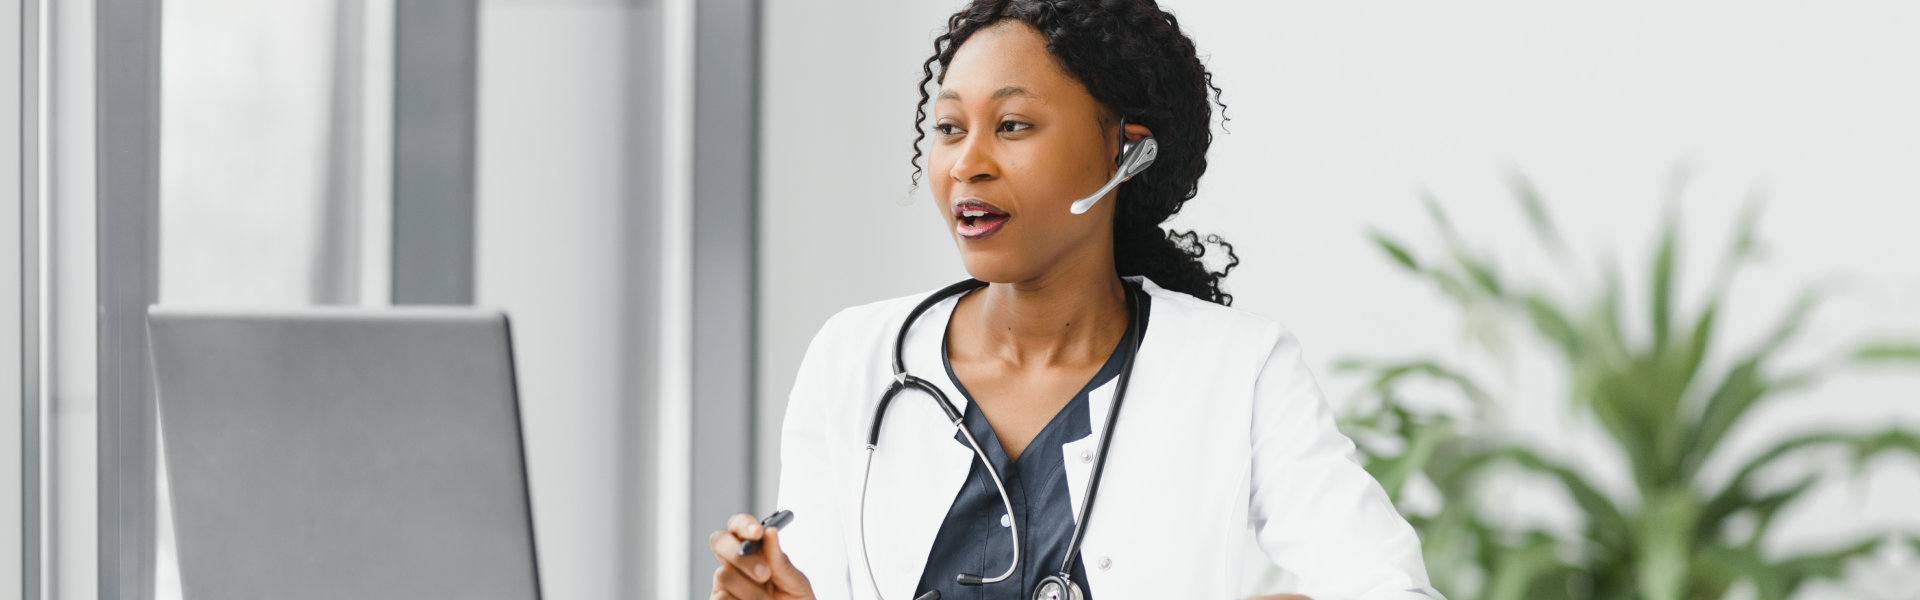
column 1105, row 563
column 1086, row 456
column 1005, row 521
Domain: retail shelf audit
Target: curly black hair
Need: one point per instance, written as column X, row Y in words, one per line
column 1133, row 58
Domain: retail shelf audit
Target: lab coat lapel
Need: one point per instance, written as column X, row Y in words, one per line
column 918, row 468
column 1078, row 455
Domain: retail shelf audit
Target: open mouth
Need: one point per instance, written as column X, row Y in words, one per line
column 977, row 220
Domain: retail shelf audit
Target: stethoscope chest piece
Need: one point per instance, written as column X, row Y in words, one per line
column 1057, row 587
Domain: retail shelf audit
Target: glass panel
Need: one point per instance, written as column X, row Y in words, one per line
column 272, row 154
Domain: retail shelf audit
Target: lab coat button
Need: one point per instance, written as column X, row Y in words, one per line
column 1105, row 563
column 1086, row 456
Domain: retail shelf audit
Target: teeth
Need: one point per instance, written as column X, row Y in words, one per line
column 973, row 213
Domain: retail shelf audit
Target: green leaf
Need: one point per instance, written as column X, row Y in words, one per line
column 1790, row 323
column 1422, row 442
column 1698, row 340
column 1552, row 323
column 1439, row 215
column 1717, row 566
column 1741, row 251
column 1482, row 273
column 1776, row 579
column 1744, row 244
column 1889, row 351
column 1451, row 287
column 1744, row 385
column 1388, row 374
column 1537, row 216
column 1765, row 507
column 1662, row 543
column 1605, row 523
column 1519, row 571
column 1349, row 365
column 1396, row 250
column 1662, row 303
column 1784, row 577
column 1607, row 315
column 1735, row 495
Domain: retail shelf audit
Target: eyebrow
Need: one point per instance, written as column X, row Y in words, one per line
column 1012, row 90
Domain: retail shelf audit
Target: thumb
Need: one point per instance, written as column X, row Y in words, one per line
column 785, row 576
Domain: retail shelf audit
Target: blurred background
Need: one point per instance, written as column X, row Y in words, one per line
column 1495, row 226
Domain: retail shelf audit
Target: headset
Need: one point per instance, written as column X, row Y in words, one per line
column 1134, row 158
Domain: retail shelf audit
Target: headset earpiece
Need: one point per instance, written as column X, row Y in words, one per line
column 1134, row 157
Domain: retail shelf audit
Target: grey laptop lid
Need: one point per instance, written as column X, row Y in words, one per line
column 344, row 453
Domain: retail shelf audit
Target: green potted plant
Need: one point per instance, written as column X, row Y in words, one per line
column 1665, row 399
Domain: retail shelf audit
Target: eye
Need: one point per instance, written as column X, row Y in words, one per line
column 945, row 129
column 1013, row 126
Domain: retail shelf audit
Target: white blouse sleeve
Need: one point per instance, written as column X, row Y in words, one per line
column 808, row 479
column 1315, row 511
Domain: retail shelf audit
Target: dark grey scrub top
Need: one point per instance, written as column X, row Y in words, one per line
column 972, row 539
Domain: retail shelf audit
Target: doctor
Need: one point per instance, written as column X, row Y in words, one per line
column 1086, row 417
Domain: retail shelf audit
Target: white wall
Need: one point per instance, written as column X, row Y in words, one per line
column 550, row 188
column 1341, row 111
column 12, row 339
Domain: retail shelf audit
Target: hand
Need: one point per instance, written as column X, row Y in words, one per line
column 764, row 575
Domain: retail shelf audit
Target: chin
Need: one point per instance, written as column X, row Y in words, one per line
column 995, row 267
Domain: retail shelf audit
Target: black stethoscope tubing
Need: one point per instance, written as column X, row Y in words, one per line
column 903, row 380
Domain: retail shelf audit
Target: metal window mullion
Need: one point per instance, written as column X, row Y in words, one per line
column 726, row 73
column 30, row 393
column 127, row 127
column 436, row 52
column 336, row 263
column 642, row 277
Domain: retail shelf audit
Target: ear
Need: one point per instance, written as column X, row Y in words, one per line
column 1134, row 134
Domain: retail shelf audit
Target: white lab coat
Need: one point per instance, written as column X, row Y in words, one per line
column 1223, row 428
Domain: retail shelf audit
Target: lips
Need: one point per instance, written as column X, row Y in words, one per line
column 977, row 220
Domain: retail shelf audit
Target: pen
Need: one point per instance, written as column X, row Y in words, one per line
column 777, row 519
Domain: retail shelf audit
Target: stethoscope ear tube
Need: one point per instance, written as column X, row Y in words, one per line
column 1106, row 436
column 900, row 340
column 873, row 436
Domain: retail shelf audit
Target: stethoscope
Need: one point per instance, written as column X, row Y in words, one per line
column 1059, row 586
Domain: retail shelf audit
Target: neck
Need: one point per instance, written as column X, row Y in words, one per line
column 1068, row 317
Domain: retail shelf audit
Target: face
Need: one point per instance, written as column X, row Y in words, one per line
column 1015, row 140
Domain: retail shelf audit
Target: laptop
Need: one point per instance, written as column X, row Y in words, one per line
column 344, row 453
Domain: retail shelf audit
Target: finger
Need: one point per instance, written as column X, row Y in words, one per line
column 726, row 547
column 785, row 576
column 719, row 585
column 744, row 526
column 723, row 544
column 736, row 584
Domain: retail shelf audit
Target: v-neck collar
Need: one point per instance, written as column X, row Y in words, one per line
column 1076, row 405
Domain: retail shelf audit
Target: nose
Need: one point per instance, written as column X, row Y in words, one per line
column 975, row 162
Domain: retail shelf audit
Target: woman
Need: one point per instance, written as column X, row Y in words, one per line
column 1081, row 314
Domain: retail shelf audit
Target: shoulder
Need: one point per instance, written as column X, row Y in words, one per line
column 861, row 334
column 877, row 320
column 1184, row 316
